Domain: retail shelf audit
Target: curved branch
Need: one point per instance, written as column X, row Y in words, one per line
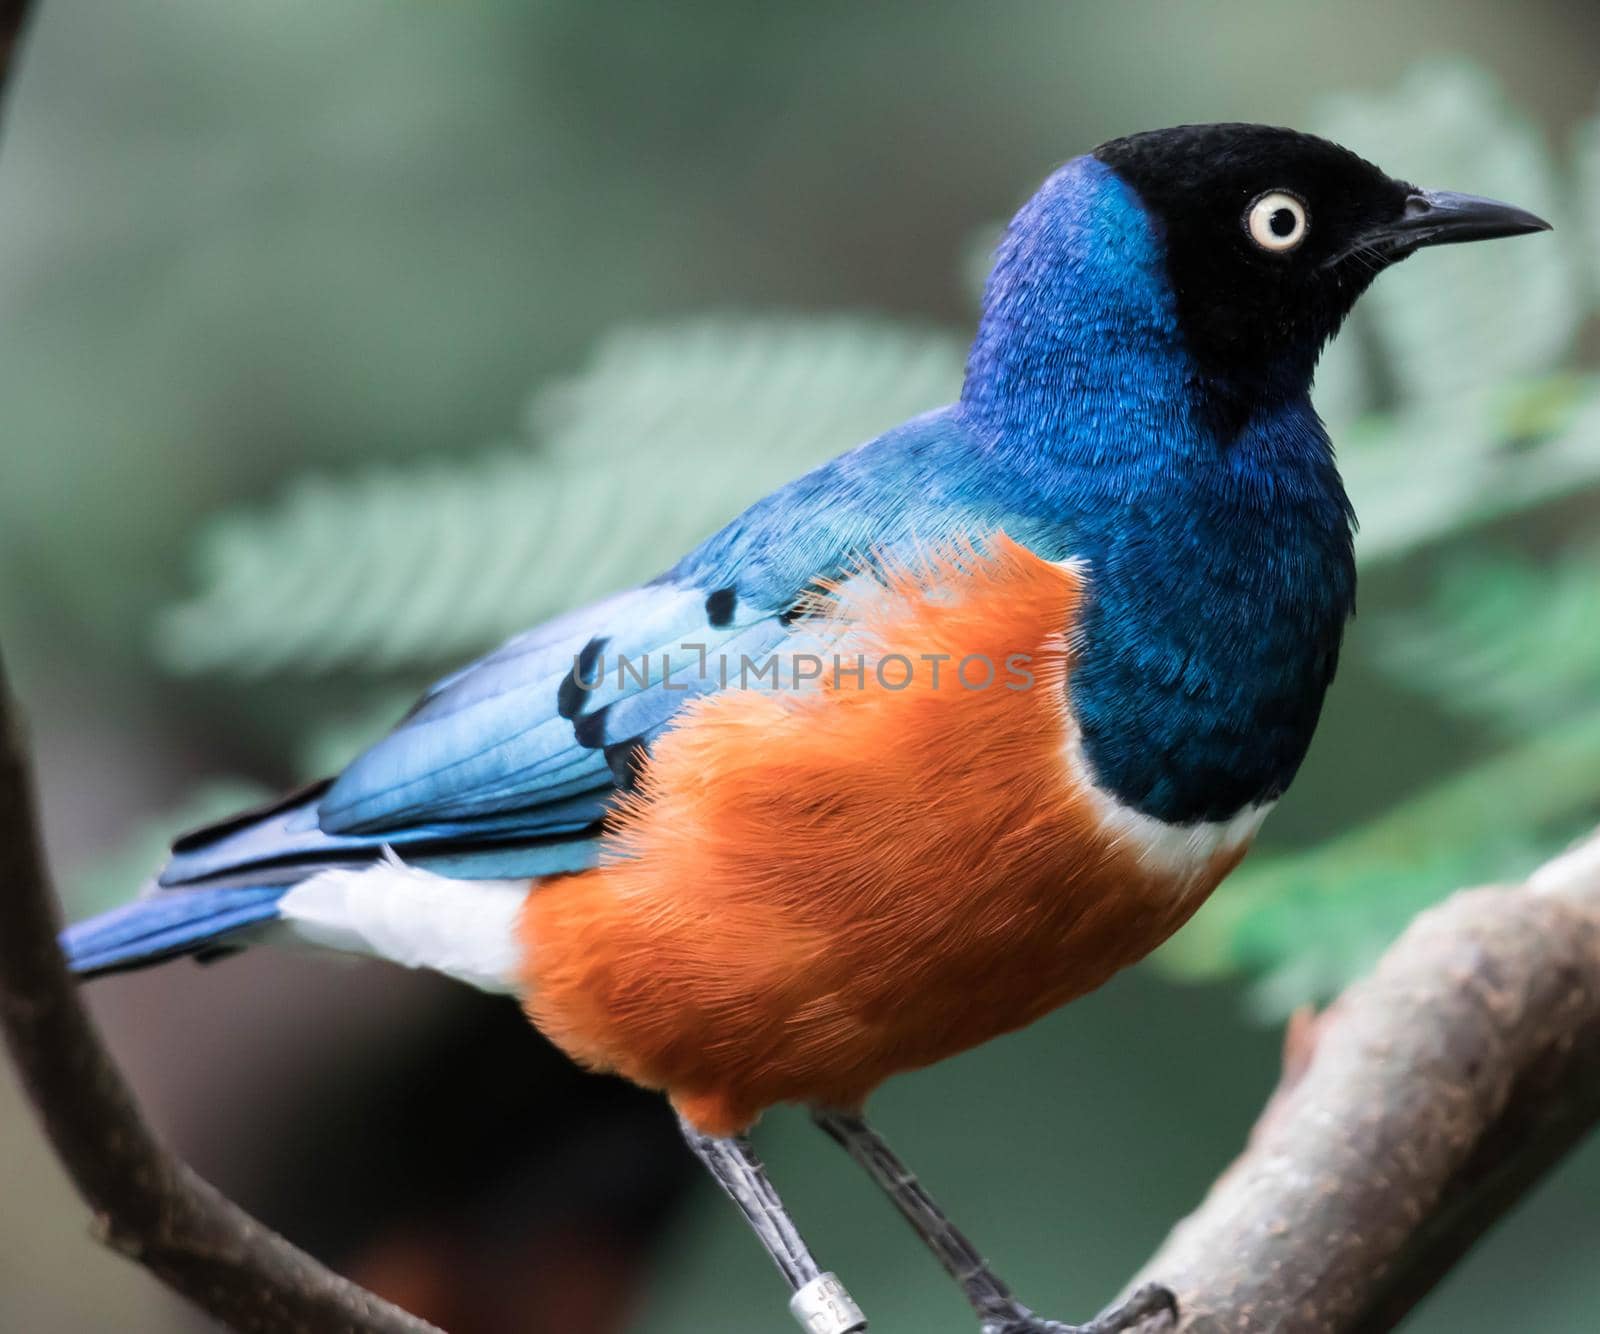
column 1412, row 1114
column 147, row 1204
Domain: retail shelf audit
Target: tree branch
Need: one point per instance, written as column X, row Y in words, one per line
column 1412, row 1114
column 147, row 1204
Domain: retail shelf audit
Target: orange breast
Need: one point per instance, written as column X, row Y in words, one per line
column 813, row 891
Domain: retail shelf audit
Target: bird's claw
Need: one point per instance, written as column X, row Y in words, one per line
column 1146, row 1302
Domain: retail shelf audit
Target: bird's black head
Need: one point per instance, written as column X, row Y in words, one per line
column 1270, row 236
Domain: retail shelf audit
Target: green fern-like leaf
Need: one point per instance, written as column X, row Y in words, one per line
column 1437, row 469
column 1504, row 641
column 1304, row 923
column 330, row 746
column 723, row 388
column 665, row 436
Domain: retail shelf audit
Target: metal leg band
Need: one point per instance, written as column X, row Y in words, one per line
column 823, row 1306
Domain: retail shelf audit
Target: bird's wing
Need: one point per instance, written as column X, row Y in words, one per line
column 531, row 737
column 508, row 767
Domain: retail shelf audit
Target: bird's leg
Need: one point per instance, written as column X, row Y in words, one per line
column 998, row 1311
column 819, row 1302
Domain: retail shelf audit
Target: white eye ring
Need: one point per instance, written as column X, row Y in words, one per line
column 1278, row 221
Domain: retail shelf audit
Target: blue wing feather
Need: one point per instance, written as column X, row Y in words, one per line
column 508, row 767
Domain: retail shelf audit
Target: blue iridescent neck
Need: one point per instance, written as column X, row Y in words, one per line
column 1212, row 518
column 1079, row 319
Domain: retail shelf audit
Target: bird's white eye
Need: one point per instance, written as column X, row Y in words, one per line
column 1277, row 221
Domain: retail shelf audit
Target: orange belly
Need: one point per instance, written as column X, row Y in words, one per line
column 813, row 891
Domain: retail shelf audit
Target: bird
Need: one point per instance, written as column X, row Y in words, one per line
column 919, row 747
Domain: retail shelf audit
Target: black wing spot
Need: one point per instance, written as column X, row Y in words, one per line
column 581, row 679
column 627, row 761
column 719, row 607
column 590, row 728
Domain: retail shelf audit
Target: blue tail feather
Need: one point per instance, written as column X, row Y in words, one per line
column 164, row 925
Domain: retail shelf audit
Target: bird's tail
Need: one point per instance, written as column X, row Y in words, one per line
column 274, row 874
column 196, row 921
column 221, row 886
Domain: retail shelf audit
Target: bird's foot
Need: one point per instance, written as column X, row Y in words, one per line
column 1146, row 1302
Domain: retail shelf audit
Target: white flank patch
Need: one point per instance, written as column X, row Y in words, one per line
column 1180, row 850
column 463, row 928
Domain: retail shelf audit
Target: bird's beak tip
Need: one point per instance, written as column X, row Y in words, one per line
column 1440, row 217
column 1443, row 217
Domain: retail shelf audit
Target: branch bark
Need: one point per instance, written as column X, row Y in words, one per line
column 147, row 1204
column 1411, row 1115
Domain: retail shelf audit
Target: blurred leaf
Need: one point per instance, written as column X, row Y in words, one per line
column 1304, row 923
column 330, row 747
column 1586, row 162
column 1436, row 469
column 116, row 877
column 719, row 389
column 667, row 435
column 1343, row 391
column 1504, row 640
column 1472, row 314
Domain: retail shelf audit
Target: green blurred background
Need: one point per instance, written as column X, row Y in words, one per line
column 342, row 340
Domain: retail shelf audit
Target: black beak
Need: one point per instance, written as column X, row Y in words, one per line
column 1442, row 217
